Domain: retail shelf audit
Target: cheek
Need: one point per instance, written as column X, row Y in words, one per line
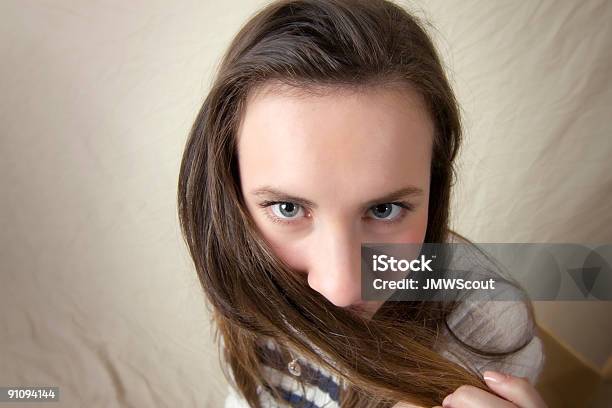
column 415, row 233
column 292, row 252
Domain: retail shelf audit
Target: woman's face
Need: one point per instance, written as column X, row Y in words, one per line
column 322, row 174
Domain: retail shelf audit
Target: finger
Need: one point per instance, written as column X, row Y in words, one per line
column 468, row 396
column 516, row 389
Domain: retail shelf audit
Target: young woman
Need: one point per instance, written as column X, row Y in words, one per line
column 331, row 123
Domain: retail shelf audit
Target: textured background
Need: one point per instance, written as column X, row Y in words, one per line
column 97, row 293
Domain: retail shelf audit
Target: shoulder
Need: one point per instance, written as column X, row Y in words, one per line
column 492, row 326
column 497, row 323
column 503, row 329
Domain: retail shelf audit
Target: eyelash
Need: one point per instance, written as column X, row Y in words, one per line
column 406, row 206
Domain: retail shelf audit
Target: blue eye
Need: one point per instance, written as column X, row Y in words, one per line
column 390, row 212
column 285, row 210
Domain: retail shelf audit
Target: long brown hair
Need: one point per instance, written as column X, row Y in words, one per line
column 313, row 45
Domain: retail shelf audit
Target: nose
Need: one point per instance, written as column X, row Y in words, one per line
column 335, row 269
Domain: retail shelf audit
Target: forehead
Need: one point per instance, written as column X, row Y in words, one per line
column 365, row 139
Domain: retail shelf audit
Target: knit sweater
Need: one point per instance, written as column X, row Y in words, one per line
column 322, row 387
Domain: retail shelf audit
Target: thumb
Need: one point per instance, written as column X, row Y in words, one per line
column 515, row 389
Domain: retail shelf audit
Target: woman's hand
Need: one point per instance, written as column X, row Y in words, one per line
column 510, row 392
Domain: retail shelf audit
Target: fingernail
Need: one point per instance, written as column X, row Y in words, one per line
column 447, row 401
column 494, row 376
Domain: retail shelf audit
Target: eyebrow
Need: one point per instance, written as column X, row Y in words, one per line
column 277, row 195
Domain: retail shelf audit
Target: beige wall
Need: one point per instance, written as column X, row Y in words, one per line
column 534, row 80
column 97, row 290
